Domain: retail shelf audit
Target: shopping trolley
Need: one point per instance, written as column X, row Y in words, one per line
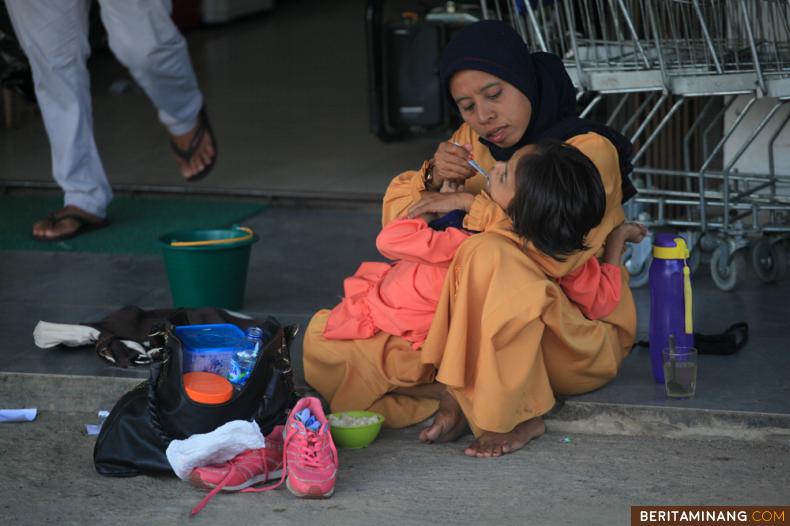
column 648, row 60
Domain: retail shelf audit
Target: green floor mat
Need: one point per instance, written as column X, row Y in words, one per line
column 135, row 222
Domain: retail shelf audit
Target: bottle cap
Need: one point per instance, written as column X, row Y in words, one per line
column 674, row 248
column 207, row 388
column 255, row 332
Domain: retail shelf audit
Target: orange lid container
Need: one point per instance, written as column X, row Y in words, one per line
column 207, row 388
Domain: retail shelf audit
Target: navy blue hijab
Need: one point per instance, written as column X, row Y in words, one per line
column 494, row 47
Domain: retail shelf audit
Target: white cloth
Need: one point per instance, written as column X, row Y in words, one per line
column 54, row 36
column 215, row 447
column 18, row 415
column 47, row 335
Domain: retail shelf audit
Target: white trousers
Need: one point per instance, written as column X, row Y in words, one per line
column 54, row 36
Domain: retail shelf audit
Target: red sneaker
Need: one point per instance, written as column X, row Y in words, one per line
column 310, row 467
column 312, row 463
column 254, row 466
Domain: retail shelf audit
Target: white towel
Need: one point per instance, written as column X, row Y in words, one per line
column 48, row 335
column 18, row 415
column 215, row 447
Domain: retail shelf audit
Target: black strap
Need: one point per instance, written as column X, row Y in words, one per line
column 732, row 340
column 153, row 412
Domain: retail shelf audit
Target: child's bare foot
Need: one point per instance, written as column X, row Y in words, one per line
column 491, row 444
column 448, row 424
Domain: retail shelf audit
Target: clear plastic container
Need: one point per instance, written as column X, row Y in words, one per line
column 209, row 348
column 243, row 360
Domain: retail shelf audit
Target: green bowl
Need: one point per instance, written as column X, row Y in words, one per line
column 355, row 437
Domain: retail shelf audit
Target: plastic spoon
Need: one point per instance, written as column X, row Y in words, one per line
column 474, row 164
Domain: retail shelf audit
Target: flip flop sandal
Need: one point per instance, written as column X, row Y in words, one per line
column 204, row 127
column 84, row 226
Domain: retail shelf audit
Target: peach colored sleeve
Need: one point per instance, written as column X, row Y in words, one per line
column 407, row 188
column 594, row 287
column 414, row 240
column 486, row 214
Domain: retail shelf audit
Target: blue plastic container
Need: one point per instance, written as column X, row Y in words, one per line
column 670, row 299
column 209, row 348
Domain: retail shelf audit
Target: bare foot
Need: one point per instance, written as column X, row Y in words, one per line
column 491, row 444
column 202, row 156
column 65, row 223
column 449, row 422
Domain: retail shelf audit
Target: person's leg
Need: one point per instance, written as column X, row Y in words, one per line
column 54, row 38
column 449, row 422
column 144, row 38
column 365, row 374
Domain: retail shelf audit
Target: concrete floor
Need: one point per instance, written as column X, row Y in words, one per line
column 589, row 480
column 297, row 268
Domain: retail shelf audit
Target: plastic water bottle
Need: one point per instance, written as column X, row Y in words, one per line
column 243, row 361
column 670, row 299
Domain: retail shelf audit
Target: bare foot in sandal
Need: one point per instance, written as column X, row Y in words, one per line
column 195, row 150
column 66, row 223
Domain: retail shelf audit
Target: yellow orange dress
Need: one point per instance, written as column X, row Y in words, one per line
column 504, row 339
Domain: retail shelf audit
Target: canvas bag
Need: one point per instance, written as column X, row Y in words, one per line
column 139, row 428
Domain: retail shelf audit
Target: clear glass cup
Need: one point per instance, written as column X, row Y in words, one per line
column 680, row 371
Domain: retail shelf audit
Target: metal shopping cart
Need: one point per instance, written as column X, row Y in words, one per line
column 647, row 62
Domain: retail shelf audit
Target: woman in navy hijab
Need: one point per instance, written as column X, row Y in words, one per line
column 534, row 99
column 504, row 339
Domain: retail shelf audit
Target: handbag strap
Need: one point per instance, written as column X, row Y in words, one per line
column 157, row 338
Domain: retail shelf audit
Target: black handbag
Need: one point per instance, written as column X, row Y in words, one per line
column 139, row 428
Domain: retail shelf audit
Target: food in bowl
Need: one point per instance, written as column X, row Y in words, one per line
column 355, row 429
column 347, row 420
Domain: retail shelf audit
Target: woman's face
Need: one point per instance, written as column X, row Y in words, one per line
column 495, row 109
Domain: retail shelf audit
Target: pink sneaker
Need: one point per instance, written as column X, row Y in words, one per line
column 254, row 466
column 311, row 457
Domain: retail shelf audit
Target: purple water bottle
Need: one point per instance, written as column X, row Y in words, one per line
column 670, row 299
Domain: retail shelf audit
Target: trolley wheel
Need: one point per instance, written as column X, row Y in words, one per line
column 769, row 260
column 639, row 275
column 729, row 277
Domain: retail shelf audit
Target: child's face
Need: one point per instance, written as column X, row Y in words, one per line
column 501, row 184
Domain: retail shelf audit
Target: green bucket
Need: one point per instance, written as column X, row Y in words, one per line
column 208, row 268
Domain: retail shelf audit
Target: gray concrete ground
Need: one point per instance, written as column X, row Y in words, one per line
column 48, row 478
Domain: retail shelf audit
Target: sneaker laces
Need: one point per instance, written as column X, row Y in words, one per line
column 310, row 451
column 310, row 454
column 310, row 448
column 270, row 487
column 211, row 494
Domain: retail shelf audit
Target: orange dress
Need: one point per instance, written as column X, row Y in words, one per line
column 504, row 339
column 400, row 298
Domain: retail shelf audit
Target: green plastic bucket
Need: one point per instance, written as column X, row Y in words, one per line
column 213, row 271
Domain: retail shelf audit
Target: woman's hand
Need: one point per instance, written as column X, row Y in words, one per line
column 450, row 163
column 441, row 203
